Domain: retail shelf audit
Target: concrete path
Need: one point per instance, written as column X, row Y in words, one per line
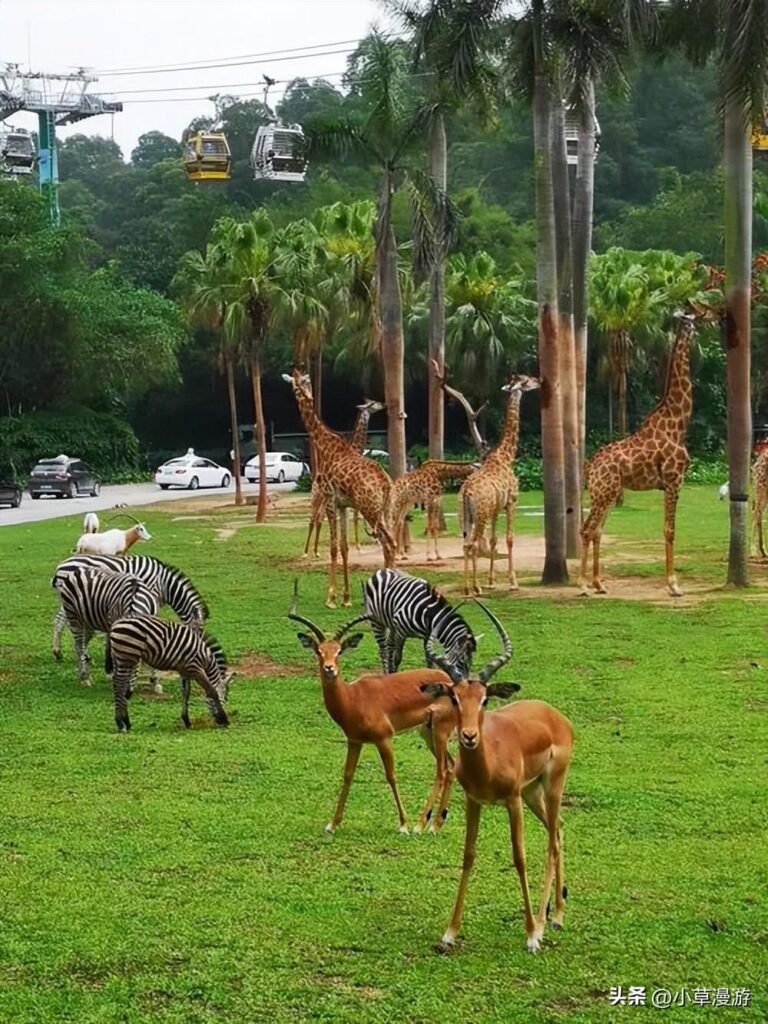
column 133, row 495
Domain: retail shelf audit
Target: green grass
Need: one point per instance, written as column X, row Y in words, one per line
column 172, row 876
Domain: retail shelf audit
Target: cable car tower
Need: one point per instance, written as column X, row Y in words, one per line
column 57, row 100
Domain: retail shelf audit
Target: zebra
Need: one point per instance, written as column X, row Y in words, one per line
column 168, row 583
column 400, row 606
column 92, row 600
column 166, row 645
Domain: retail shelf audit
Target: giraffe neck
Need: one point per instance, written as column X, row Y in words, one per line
column 321, row 436
column 359, row 435
column 506, row 449
column 677, row 402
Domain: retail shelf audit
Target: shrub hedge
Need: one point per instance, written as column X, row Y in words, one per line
column 107, row 443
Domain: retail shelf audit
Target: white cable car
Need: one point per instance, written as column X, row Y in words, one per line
column 207, row 157
column 278, row 153
column 572, row 137
column 17, row 152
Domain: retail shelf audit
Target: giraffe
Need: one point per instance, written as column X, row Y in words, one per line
column 423, row 486
column 357, row 441
column 654, row 457
column 760, row 495
column 493, row 487
column 349, row 481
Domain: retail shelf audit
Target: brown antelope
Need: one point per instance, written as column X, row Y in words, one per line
column 374, row 708
column 521, row 752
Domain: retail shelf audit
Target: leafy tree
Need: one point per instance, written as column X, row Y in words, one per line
column 153, row 147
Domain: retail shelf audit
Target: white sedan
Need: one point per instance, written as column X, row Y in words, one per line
column 281, row 466
column 191, row 471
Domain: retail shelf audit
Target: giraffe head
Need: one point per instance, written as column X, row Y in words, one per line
column 299, row 381
column 521, row 382
column 370, row 405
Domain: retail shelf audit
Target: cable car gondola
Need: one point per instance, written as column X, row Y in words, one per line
column 207, row 157
column 572, row 137
column 760, row 133
column 278, row 153
column 17, row 152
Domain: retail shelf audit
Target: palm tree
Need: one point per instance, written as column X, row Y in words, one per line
column 204, row 284
column 735, row 33
column 444, row 35
column 385, row 125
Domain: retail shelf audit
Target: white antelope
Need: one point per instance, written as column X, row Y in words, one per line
column 91, row 523
column 374, row 708
column 520, row 752
column 112, row 542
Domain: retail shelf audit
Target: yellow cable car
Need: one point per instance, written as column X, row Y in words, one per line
column 207, row 157
column 760, row 133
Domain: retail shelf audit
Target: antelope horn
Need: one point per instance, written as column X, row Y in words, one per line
column 300, row 618
column 125, row 515
column 495, row 664
column 352, row 622
column 442, row 662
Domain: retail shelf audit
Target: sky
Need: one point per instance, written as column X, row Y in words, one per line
column 106, row 35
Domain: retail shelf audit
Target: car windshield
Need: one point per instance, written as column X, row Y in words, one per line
column 47, row 465
column 272, row 458
column 178, row 462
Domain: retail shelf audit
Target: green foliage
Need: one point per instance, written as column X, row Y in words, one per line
column 106, row 442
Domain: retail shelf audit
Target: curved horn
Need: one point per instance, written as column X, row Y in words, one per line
column 442, row 662
column 125, row 515
column 352, row 622
column 300, row 618
column 495, row 664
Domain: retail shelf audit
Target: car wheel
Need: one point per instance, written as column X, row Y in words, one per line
column 225, row 480
column 163, row 487
column 96, row 490
column 35, row 497
column 281, row 477
column 251, row 479
column 17, row 500
column 194, row 483
column 72, row 490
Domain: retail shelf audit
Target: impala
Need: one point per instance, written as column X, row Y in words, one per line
column 520, row 752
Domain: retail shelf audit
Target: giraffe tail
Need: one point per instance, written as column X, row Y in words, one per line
column 467, row 515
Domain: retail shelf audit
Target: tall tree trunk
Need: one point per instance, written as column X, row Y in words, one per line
column 391, row 315
column 438, row 169
column 737, row 166
column 234, row 428
column 565, row 336
column 261, row 435
column 555, row 567
column 583, row 206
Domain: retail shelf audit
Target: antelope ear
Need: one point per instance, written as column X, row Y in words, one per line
column 351, row 641
column 307, row 641
column 435, row 690
column 502, row 689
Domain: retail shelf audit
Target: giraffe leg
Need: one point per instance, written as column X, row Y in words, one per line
column 318, row 528
column 492, row 554
column 345, row 601
column 590, row 533
column 356, row 524
column 511, row 509
column 757, row 514
column 671, row 494
column 433, row 527
column 330, row 599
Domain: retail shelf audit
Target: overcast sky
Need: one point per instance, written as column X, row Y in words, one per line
column 64, row 35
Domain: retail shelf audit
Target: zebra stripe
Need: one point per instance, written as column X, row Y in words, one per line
column 168, row 583
column 170, row 646
column 93, row 600
column 401, row 606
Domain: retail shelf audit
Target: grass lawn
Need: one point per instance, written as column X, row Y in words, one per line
column 172, row 876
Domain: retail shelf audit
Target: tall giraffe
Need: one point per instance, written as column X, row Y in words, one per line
column 654, row 457
column 493, row 487
column 349, row 481
column 760, row 495
column 357, row 441
column 423, row 486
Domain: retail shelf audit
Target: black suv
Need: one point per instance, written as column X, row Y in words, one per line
column 63, row 476
column 10, row 494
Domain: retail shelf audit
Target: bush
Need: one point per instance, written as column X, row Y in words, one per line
column 106, row 443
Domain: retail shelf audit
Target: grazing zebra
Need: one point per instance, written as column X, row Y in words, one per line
column 400, row 606
column 93, row 600
column 166, row 645
column 169, row 584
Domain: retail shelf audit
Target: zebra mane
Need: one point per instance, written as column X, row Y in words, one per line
column 216, row 650
column 177, row 574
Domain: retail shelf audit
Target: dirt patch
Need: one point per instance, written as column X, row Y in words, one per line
column 528, row 554
column 258, row 666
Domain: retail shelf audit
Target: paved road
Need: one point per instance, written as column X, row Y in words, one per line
column 132, row 494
